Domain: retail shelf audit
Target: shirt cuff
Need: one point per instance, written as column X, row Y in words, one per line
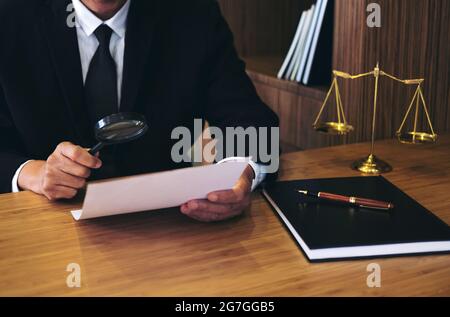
column 258, row 169
column 14, row 184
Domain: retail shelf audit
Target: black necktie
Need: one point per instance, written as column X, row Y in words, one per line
column 101, row 95
column 101, row 81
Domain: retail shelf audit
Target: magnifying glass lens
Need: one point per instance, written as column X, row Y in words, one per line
column 118, row 128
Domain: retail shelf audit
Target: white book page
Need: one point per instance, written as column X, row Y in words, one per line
column 292, row 48
column 308, row 40
column 314, row 43
column 301, row 45
column 157, row 190
column 293, row 60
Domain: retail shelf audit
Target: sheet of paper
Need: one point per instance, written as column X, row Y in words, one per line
column 156, row 191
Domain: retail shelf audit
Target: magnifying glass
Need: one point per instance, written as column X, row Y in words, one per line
column 118, row 128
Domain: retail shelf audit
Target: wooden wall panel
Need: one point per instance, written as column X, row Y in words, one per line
column 413, row 42
column 268, row 94
column 296, row 112
column 263, row 27
column 287, row 110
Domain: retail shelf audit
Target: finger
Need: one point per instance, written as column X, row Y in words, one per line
column 55, row 178
column 72, row 168
column 235, row 195
column 60, row 192
column 79, row 155
column 204, row 216
column 226, row 196
column 206, row 206
column 239, row 192
column 202, row 210
column 64, row 179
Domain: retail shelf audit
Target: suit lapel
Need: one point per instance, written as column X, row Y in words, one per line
column 63, row 45
column 140, row 31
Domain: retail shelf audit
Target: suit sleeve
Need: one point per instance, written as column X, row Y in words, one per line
column 232, row 100
column 12, row 155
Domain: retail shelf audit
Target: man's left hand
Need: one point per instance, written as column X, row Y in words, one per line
column 222, row 205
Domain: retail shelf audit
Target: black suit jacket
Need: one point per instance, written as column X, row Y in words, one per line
column 179, row 64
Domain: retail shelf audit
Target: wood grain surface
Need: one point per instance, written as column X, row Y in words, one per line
column 263, row 27
column 163, row 253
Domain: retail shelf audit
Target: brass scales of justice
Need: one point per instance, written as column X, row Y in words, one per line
column 371, row 164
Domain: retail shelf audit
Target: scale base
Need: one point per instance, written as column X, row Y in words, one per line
column 371, row 165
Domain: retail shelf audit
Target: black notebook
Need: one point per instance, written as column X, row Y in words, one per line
column 329, row 231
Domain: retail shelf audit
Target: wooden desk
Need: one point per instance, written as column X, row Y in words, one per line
column 164, row 253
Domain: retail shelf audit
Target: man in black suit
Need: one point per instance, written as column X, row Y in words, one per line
column 170, row 60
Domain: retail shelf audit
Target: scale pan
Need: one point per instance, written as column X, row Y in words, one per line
column 333, row 128
column 416, row 137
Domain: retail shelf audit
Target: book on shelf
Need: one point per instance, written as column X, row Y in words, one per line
column 301, row 45
column 308, row 39
column 308, row 60
column 293, row 47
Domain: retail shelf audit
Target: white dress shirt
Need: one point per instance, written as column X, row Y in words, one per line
column 86, row 24
column 88, row 43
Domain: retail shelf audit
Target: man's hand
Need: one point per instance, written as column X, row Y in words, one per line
column 62, row 175
column 222, row 205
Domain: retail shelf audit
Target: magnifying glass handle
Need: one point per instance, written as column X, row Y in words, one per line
column 96, row 148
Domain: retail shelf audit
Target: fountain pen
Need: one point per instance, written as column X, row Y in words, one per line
column 356, row 201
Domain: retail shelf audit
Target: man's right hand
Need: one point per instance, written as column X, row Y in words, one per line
column 62, row 175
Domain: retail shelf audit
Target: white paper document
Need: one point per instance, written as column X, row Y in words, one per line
column 157, row 190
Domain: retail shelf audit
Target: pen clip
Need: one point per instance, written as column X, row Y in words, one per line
column 371, row 207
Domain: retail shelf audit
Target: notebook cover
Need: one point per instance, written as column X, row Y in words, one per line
column 322, row 224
